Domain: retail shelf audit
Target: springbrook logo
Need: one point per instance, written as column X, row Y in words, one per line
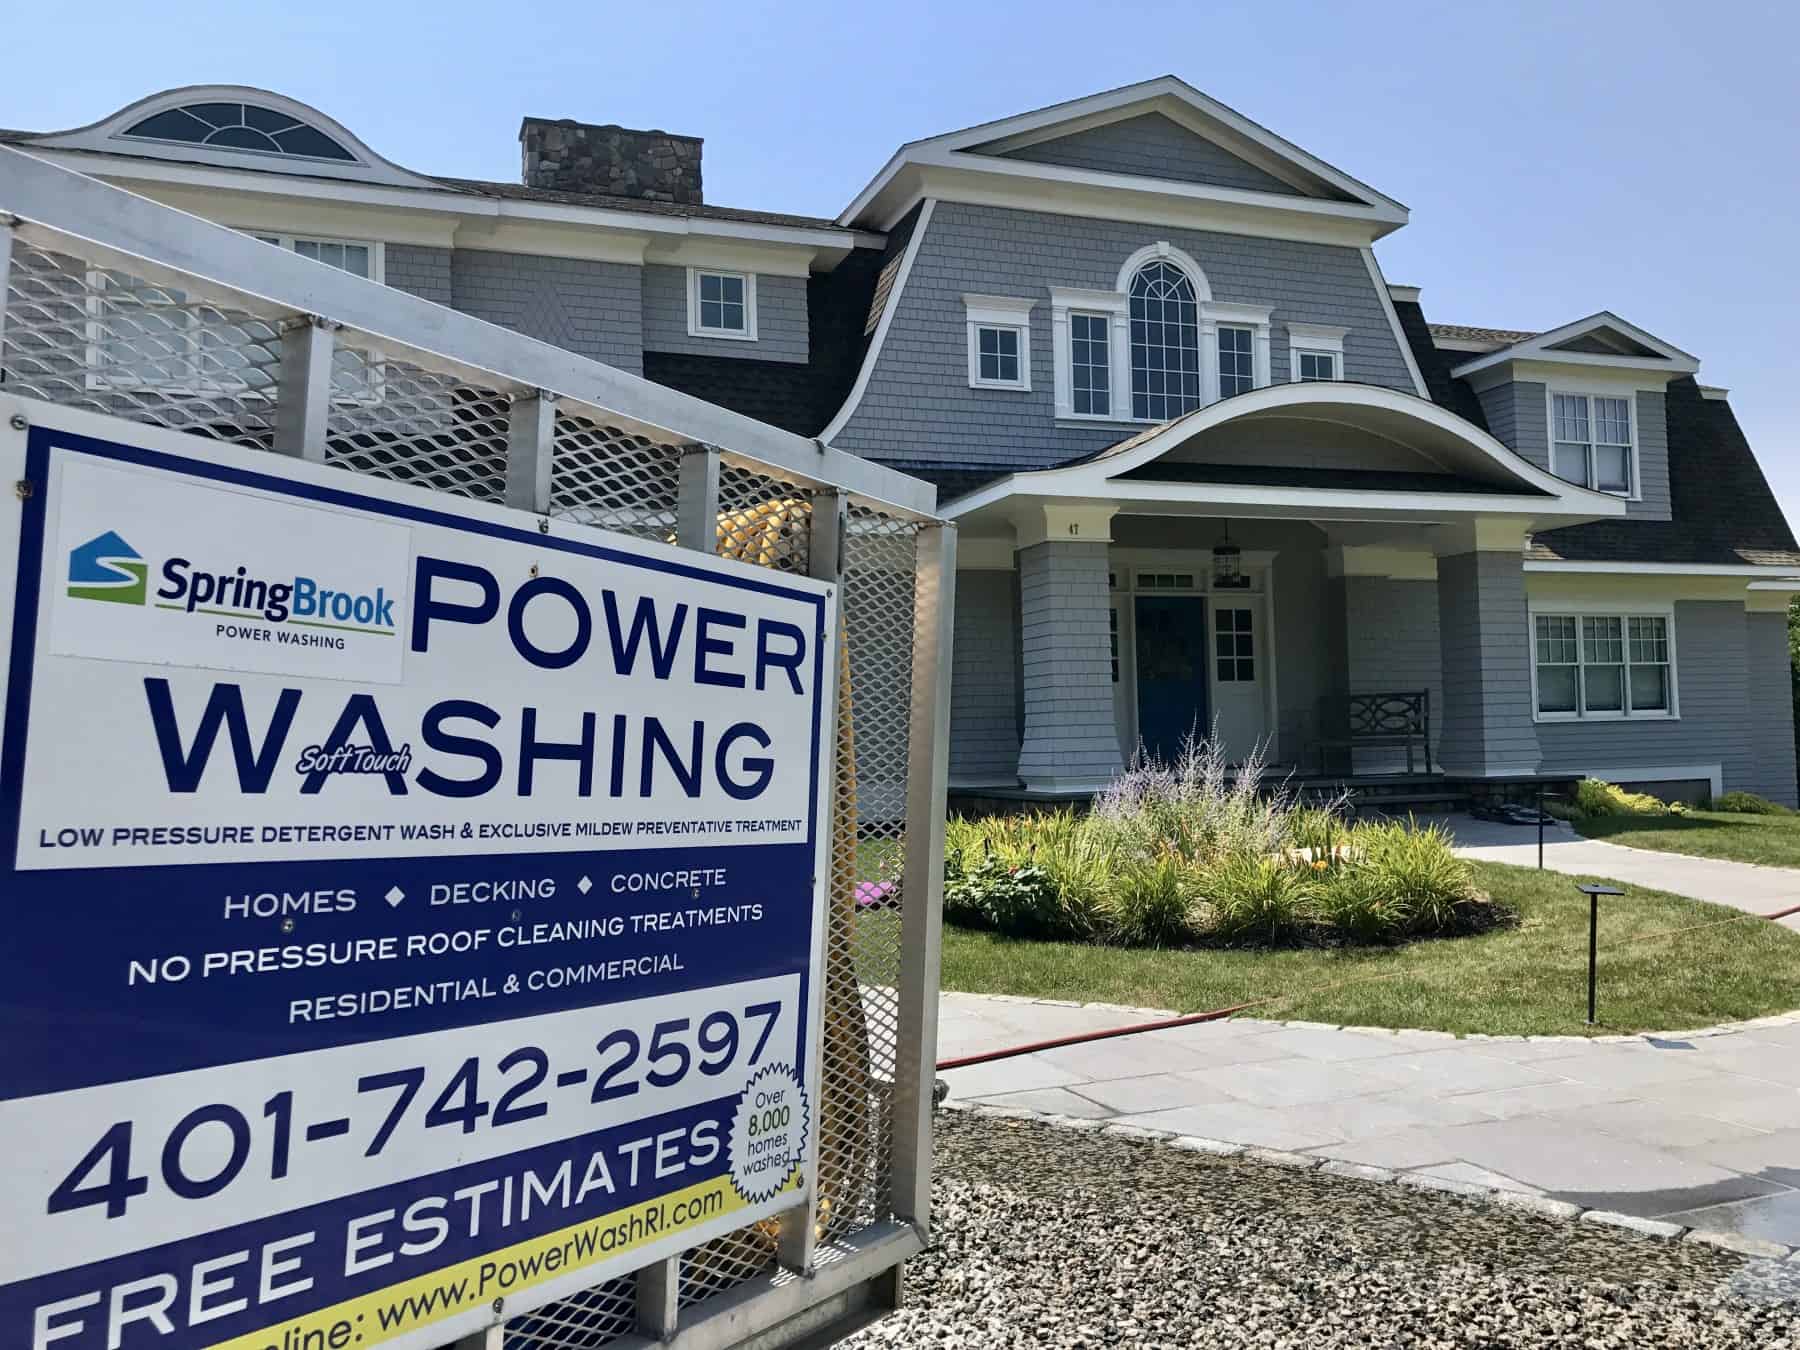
column 108, row 568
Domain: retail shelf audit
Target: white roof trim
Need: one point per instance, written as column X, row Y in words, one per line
column 1542, row 348
column 1166, row 94
column 889, row 305
column 1776, row 576
column 107, row 136
column 1100, row 477
column 439, row 198
column 1387, row 293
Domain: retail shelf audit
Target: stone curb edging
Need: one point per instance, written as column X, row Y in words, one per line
column 1518, row 1201
column 1722, row 1029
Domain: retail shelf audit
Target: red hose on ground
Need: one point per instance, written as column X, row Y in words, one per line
column 1218, row 1014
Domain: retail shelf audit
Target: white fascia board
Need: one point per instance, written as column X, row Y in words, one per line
column 1250, row 500
column 1167, row 91
column 57, row 207
column 1124, row 182
column 1134, row 200
column 1409, row 294
column 1571, row 377
column 1671, row 358
column 129, row 170
column 1339, row 394
column 1772, row 576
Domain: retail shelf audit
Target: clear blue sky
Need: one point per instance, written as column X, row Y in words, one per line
column 1558, row 158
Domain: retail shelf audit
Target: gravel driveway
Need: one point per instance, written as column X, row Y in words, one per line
column 1047, row 1237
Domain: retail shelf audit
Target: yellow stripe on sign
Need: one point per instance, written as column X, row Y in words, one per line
column 382, row 1314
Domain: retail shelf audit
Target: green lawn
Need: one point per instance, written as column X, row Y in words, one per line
column 1531, row 979
column 1771, row 840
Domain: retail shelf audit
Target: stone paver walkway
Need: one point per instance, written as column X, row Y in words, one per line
column 1702, row 1130
column 1746, row 886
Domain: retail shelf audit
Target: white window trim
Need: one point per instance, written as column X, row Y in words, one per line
column 999, row 311
column 1591, row 392
column 1315, row 337
column 1254, row 317
column 95, row 377
column 377, row 250
column 1116, row 306
column 694, row 327
column 1609, row 611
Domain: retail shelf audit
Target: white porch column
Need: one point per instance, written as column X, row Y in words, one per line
column 1483, row 633
column 1071, row 742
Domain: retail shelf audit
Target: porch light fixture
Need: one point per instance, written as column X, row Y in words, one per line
column 1228, row 572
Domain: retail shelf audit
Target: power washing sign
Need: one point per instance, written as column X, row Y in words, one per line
column 412, row 912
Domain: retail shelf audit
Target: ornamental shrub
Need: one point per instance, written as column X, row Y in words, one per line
column 1258, row 899
column 1356, row 900
column 1019, row 900
column 1149, row 902
column 1749, row 804
column 1595, row 798
column 1428, row 888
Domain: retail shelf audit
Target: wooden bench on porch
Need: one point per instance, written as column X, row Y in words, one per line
column 1390, row 718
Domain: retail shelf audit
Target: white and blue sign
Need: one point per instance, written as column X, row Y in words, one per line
column 414, row 908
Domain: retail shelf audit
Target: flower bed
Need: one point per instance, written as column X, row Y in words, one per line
column 1190, row 852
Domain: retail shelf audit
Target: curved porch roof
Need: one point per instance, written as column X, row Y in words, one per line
column 1315, row 450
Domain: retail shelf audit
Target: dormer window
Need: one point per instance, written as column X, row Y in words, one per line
column 239, row 126
column 1591, row 443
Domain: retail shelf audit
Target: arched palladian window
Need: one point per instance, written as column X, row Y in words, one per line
column 1165, row 342
column 239, row 126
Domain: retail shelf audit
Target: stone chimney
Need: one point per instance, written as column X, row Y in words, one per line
column 570, row 156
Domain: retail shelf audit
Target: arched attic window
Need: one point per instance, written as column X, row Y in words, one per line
column 1165, row 342
column 239, row 126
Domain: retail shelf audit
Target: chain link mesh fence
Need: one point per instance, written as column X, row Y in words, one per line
column 101, row 339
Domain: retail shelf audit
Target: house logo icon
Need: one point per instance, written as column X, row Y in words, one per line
column 108, row 568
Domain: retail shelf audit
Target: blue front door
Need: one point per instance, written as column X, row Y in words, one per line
column 1171, row 671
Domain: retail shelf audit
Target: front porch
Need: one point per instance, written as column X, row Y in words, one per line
column 1237, row 572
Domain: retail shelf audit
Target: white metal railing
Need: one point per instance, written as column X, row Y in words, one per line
column 119, row 305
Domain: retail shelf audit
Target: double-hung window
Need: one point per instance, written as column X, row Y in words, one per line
column 1237, row 360
column 1603, row 666
column 1090, row 365
column 1591, row 441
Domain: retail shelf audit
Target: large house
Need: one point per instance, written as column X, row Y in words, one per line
column 1209, row 467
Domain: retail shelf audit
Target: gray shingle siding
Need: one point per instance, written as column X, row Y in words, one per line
column 1725, row 705
column 1391, row 645
column 1156, row 147
column 591, row 308
column 421, row 269
column 1071, row 735
column 1518, row 413
column 1486, row 721
column 984, row 728
column 918, row 407
column 1771, row 708
column 780, row 318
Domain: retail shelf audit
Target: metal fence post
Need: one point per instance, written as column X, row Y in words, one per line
column 6, row 248
column 303, row 389
column 825, row 562
column 530, row 441
column 922, row 885
column 493, row 1338
column 697, row 499
column 697, row 528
